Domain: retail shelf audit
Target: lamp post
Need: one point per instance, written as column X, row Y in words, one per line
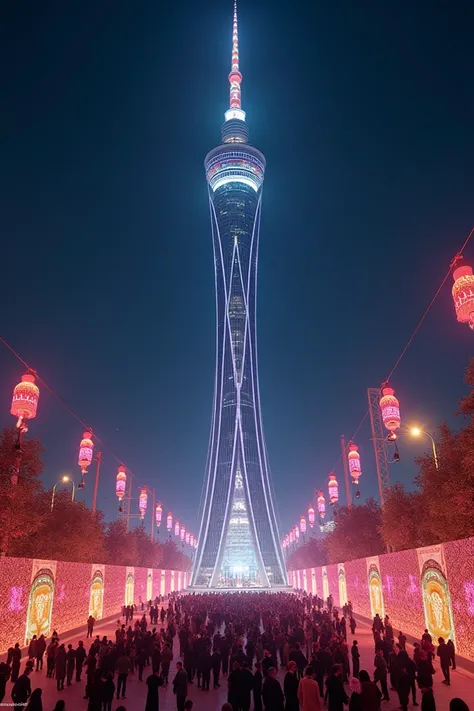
column 64, row 480
column 416, row 432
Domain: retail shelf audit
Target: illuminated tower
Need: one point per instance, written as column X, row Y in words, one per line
column 239, row 542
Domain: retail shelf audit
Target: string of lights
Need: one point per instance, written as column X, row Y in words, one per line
column 24, row 406
column 463, row 296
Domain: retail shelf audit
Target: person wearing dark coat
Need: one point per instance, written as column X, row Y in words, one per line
column 272, row 694
column 355, row 654
column 336, row 695
column 380, row 673
column 205, row 664
column 153, row 682
column 156, row 660
column 80, row 659
column 425, row 671
column 40, row 650
column 403, row 688
column 247, row 686
column 4, row 676
column 427, row 700
column 234, row 693
column 290, row 688
column 370, row 693
column 257, row 687
column 108, row 691
column 355, row 703
column 15, row 662
column 60, row 667
column 35, row 703
column 71, row 663
column 216, row 666
column 96, row 693
column 21, row 691
column 301, row 662
column 32, row 647
column 452, row 650
column 444, row 654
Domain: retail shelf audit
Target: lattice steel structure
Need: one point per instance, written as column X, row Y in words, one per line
column 379, row 439
column 239, row 543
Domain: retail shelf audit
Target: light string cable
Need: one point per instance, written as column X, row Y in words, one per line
column 71, row 412
column 415, row 331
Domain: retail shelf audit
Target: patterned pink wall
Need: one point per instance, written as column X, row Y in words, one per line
column 460, row 571
column 402, row 592
column 61, row 599
column 406, row 594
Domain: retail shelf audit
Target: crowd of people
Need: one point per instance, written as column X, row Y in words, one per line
column 273, row 652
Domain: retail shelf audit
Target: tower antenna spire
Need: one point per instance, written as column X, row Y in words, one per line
column 235, row 77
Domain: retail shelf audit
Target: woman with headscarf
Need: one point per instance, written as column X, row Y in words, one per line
column 355, row 703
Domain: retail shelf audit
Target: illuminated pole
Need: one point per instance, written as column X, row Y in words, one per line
column 98, row 459
column 416, row 432
column 63, row 480
column 346, row 471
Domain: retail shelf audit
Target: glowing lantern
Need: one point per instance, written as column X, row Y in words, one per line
column 292, row 536
column 390, row 408
column 143, row 502
column 354, row 462
column 25, row 398
column 287, row 540
column 169, row 522
column 187, row 538
column 191, row 540
column 182, row 532
column 311, row 516
column 176, row 528
column 463, row 292
column 333, row 489
column 86, row 450
column 283, row 543
column 158, row 514
column 321, row 505
column 297, row 533
column 121, row 482
column 195, row 543
column 303, row 525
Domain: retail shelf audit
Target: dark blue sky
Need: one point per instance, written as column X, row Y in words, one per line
column 364, row 113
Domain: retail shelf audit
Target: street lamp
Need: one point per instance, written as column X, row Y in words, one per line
column 417, row 432
column 64, row 480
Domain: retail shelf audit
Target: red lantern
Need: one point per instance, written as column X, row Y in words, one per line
column 188, row 535
column 463, row 292
column 169, row 522
column 354, row 462
column 297, row 533
column 321, row 504
column 333, row 489
column 176, row 528
column 25, row 398
column 390, row 408
column 303, row 525
column 121, row 482
column 86, row 450
column 182, row 532
column 143, row 502
column 311, row 516
column 158, row 514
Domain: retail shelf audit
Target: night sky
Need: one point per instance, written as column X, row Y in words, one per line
column 364, row 112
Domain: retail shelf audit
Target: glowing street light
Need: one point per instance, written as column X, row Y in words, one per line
column 417, row 432
column 64, row 480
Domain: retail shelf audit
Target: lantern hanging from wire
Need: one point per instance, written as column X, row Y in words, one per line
column 176, row 528
column 86, row 451
column 158, row 514
column 390, row 409
column 463, row 292
column 297, row 533
column 292, row 536
column 311, row 515
column 303, row 525
column 169, row 522
column 333, row 489
column 191, row 540
column 25, row 400
column 182, row 532
column 195, row 543
column 121, row 482
column 143, row 502
column 321, row 504
column 188, row 535
column 354, row 462
column 283, row 543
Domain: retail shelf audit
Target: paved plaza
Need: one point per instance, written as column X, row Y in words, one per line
column 462, row 682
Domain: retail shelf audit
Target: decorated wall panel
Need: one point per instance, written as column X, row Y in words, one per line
column 72, row 595
column 402, row 591
column 459, row 557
